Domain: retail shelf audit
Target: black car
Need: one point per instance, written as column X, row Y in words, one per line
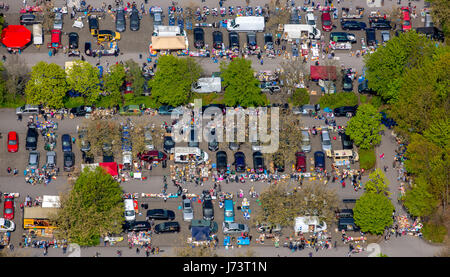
column 160, row 214
column 199, row 38
column 251, row 40
column 222, row 161
column 258, row 161
column 69, row 161
column 78, row 111
column 207, row 206
column 380, row 24
column 352, row 25
column 347, row 142
column 120, row 20
column 239, row 161
column 371, row 37
column 134, row 20
column 136, row 226
column 73, row 40
column 32, row 138
column 108, row 157
column 217, row 39
column 431, row 32
column 345, row 111
column 167, row 227
column 364, row 87
column 66, row 143
column 169, row 144
column 319, row 160
column 234, row 39
column 347, row 84
column 268, row 40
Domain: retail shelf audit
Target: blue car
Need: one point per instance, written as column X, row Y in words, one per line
column 319, row 161
column 228, row 211
column 239, row 161
column 66, row 143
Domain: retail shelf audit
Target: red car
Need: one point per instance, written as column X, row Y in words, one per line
column 406, row 19
column 327, row 25
column 300, row 164
column 13, row 142
column 152, row 156
column 8, row 208
column 55, row 39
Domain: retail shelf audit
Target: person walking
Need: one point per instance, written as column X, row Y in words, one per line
column 138, row 251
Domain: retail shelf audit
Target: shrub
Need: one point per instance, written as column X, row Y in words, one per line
column 363, row 99
column 338, row 100
column 376, row 101
column 300, row 97
column 434, row 232
column 72, row 102
column 367, row 158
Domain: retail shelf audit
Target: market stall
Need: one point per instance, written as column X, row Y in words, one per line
column 16, row 37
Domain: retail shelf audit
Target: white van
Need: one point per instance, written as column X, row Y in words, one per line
column 300, row 31
column 207, row 85
column 306, row 224
column 38, row 39
column 28, row 109
column 130, row 214
column 184, row 155
column 246, row 24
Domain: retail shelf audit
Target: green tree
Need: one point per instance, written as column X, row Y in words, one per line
column 134, row 75
column 373, row 213
column 93, row 208
column 439, row 132
column 418, row 200
column 386, row 66
column 364, row 128
column 47, row 85
column 241, row 86
column 377, row 183
column 84, row 78
column 114, row 83
column 440, row 9
column 172, row 82
column 300, row 97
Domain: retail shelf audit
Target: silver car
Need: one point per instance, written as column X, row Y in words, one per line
column 326, row 141
column 51, row 159
column 307, row 108
column 58, row 23
column 188, row 212
column 385, row 36
column 306, row 142
column 33, row 159
column 230, row 228
column 120, row 20
column 148, row 140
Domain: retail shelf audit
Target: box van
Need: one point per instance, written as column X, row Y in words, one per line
column 183, row 154
column 28, row 109
column 27, row 19
column 130, row 214
column 38, row 39
column 228, row 210
column 306, row 224
column 299, row 31
column 207, row 85
column 246, row 24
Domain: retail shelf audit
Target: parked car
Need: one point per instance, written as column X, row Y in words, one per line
column 13, row 142
column 137, row 226
column 232, row 228
column 371, row 39
column 327, row 24
column 268, row 40
column 79, row 111
column 294, row 17
column 347, row 142
column 134, row 20
column 69, row 161
column 7, row 225
column 310, row 19
column 28, row 19
column 27, row 109
column 130, row 110
column 385, row 36
column 58, row 22
column 268, row 87
column 188, row 211
column 342, row 37
column 300, row 164
column 157, row 19
column 345, row 111
column 234, row 146
column 167, row 227
column 8, row 208
column 85, row 145
column 347, row 83
column 120, row 20
column 380, row 24
column 325, row 140
column 199, row 38
column 266, row 227
column 217, row 40
column 363, row 87
column 107, row 36
column 168, row 143
column 319, row 160
column 50, row 159
column 234, row 39
column 406, row 19
column 160, row 214
column 148, row 140
column 239, row 162
column 207, row 206
column 152, row 156
column 213, row 227
column 258, row 162
column 32, row 139
column 213, row 145
column 306, row 142
column 168, row 110
column 33, row 159
column 251, row 41
column 73, row 40
column 66, row 143
column 353, row 25
column 222, row 161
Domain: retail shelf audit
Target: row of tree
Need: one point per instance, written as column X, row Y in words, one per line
column 412, row 75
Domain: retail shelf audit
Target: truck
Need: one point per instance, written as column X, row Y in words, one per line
column 207, row 85
column 246, row 24
column 300, row 31
column 306, row 224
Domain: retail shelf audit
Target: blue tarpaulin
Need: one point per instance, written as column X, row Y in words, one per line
column 200, row 233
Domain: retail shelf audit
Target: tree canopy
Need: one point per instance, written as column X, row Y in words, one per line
column 114, row 83
column 47, row 85
column 134, row 75
column 377, row 183
column 240, row 84
column 173, row 79
column 418, row 200
column 365, row 126
column 93, row 208
column 386, row 66
column 84, row 78
column 373, row 213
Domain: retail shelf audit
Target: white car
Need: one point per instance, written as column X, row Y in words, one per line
column 311, row 19
column 188, row 212
column 7, row 225
column 58, row 23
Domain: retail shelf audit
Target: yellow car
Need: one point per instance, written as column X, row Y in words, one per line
column 107, row 36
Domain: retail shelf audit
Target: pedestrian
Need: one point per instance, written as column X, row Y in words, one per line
column 119, row 253
column 11, row 247
column 138, row 251
column 382, row 156
column 147, row 253
column 45, row 251
column 9, row 170
column 310, row 254
column 262, row 61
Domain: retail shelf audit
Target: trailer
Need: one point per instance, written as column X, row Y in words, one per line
column 346, row 13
